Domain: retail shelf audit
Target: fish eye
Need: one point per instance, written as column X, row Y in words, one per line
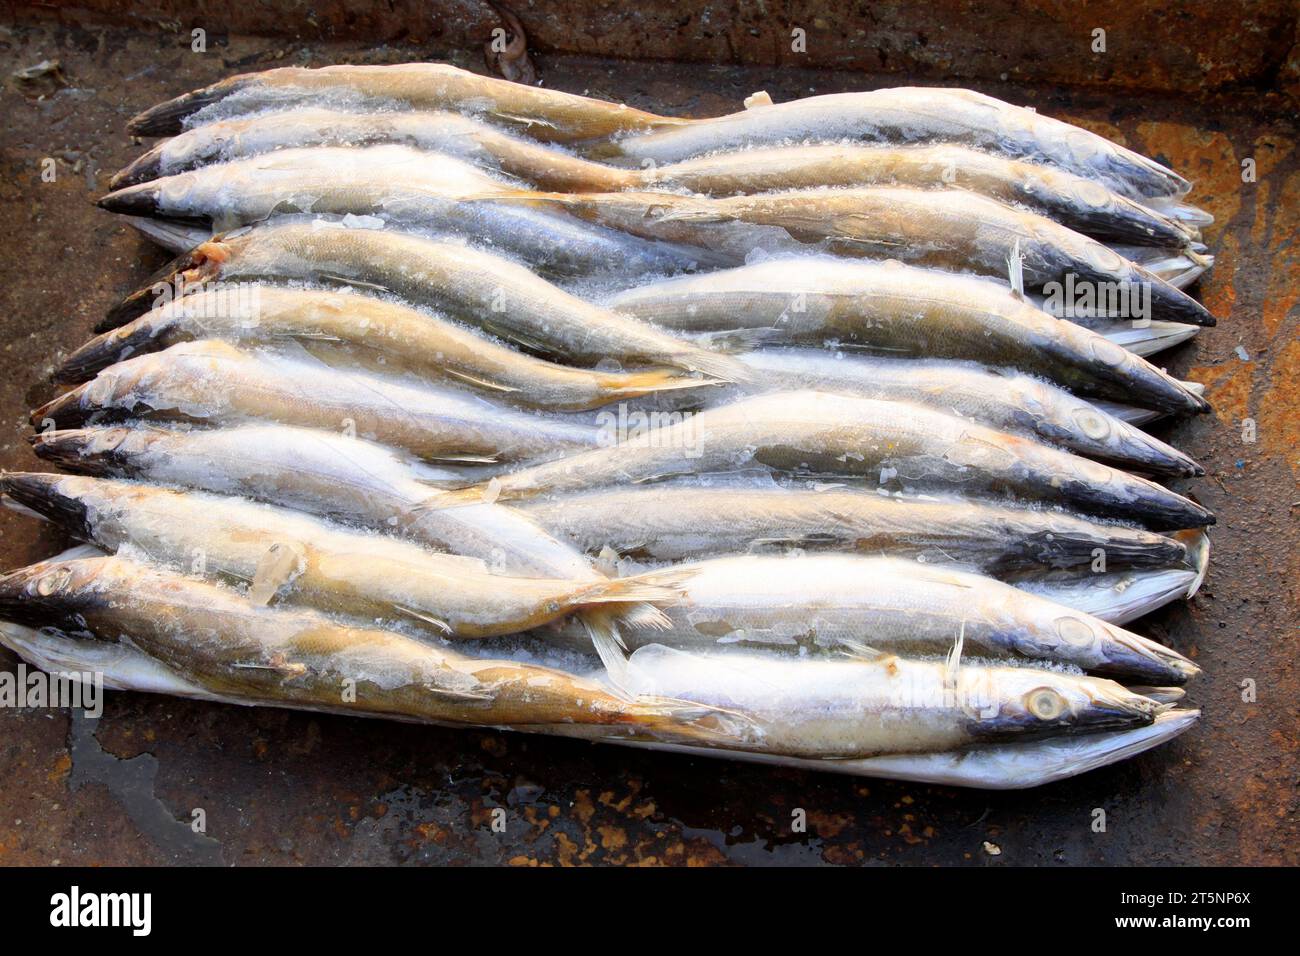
column 1045, row 703
column 1074, row 631
column 1091, row 424
column 53, row 581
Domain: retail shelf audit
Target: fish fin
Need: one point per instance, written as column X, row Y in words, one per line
column 517, row 337
column 700, row 213
column 478, row 381
column 460, row 696
column 434, row 622
column 280, row 565
column 953, row 665
column 858, row 650
column 609, row 647
column 480, row 493
column 647, row 617
column 1161, row 695
column 1016, row 270
column 724, row 368
column 1197, row 543
column 525, row 121
column 630, row 590
column 757, row 100
column 355, row 283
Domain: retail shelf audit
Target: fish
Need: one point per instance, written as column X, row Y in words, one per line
column 906, row 116
column 1079, row 203
column 215, row 638
column 214, row 382
column 386, row 333
column 859, row 607
column 1082, row 204
column 901, row 310
column 1119, row 597
column 1000, row 398
column 289, row 557
column 398, row 187
column 879, row 443
column 944, row 228
column 1018, row 764
column 544, row 114
column 673, row 521
column 350, row 480
column 848, row 709
column 478, row 287
column 441, row 131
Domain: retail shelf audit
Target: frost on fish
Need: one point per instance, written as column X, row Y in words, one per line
column 878, row 443
column 918, row 115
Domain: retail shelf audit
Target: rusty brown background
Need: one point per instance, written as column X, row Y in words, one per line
column 1201, row 86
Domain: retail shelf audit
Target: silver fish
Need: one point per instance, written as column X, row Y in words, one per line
column 1002, row 399
column 896, row 309
column 945, row 228
column 876, row 442
column 214, row 638
column 216, row 383
column 544, row 114
column 287, row 556
column 1015, row 765
column 859, row 607
column 486, row 290
column 405, row 187
column 810, row 707
column 906, row 115
column 380, row 333
column 1084, row 205
column 671, row 521
column 442, row 131
column 325, row 473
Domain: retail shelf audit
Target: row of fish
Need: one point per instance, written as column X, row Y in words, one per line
column 767, row 435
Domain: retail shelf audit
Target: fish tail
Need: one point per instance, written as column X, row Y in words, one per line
column 676, row 718
column 634, row 384
column 631, row 590
column 167, row 118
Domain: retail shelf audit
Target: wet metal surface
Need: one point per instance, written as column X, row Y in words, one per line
column 283, row 788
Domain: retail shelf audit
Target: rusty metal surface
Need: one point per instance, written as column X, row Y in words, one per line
column 290, row 788
column 1193, row 46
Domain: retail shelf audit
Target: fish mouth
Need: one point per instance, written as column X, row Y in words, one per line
column 189, row 270
column 167, row 119
column 105, row 349
column 40, row 492
column 1138, row 658
column 20, row 603
column 1114, row 710
column 143, row 169
column 63, row 411
column 142, row 199
column 1155, row 457
column 86, row 451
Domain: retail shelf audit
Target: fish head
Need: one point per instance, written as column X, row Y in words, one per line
column 53, row 497
column 1028, row 701
column 95, row 451
column 55, row 593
